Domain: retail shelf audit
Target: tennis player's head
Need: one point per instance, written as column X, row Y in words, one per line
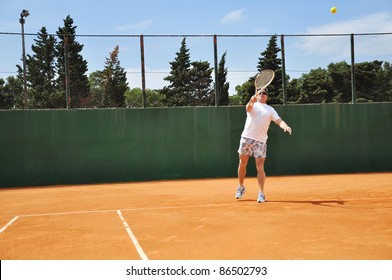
column 262, row 91
column 262, row 94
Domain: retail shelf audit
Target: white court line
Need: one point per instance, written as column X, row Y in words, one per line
column 8, row 224
column 127, row 209
column 178, row 207
column 133, row 237
column 197, row 206
column 68, row 213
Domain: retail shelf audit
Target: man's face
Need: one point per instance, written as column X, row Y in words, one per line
column 262, row 97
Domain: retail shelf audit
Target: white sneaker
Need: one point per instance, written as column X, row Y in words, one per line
column 240, row 192
column 261, row 198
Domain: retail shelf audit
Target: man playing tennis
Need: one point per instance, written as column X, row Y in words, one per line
column 254, row 139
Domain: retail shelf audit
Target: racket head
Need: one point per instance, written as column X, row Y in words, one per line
column 264, row 79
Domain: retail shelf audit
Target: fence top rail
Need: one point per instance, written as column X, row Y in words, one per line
column 206, row 35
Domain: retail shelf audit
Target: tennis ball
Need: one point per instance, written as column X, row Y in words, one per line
column 333, row 10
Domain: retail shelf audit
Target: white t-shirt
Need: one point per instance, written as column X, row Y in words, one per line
column 258, row 121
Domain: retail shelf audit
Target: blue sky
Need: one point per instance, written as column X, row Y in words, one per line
column 200, row 16
column 206, row 17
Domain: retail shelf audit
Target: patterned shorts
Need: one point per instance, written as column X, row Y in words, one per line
column 252, row 148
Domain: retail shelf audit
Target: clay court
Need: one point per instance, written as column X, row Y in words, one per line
column 318, row 217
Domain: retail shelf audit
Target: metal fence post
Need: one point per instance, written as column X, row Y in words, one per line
column 283, row 70
column 217, row 89
column 143, row 70
column 353, row 89
column 66, row 74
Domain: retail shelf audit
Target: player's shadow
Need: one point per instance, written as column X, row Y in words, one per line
column 318, row 202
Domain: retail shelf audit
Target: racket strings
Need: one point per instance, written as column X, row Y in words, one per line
column 263, row 79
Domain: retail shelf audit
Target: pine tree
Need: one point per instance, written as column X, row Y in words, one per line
column 385, row 85
column 96, row 89
column 41, row 71
column 223, row 86
column 6, row 100
column 340, row 74
column 178, row 92
column 78, row 81
column 11, row 93
column 269, row 60
column 201, row 80
column 114, row 82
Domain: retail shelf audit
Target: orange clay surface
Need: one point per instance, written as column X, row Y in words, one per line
column 314, row 217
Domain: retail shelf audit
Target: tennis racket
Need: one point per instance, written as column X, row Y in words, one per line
column 264, row 79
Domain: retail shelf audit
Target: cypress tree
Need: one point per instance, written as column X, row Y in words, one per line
column 78, row 80
column 178, row 92
column 41, row 71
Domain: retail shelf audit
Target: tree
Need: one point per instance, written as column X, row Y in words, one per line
column 41, row 71
column 114, row 82
column 244, row 91
column 223, row 86
column 77, row 66
column 234, row 100
column 367, row 78
column 134, row 98
column 6, row 99
column 341, row 81
column 179, row 89
column 294, row 88
column 268, row 60
column 385, row 87
column 316, row 87
column 11, row 92
column 97, row 90
column 201, row 80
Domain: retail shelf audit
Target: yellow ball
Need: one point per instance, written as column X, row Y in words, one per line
column 333, row 10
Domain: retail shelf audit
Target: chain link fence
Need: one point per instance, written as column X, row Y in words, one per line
column 113, row 71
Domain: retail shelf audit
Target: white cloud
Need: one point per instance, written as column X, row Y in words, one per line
column 233, row 16
column 338, row 47
column 380, row 22
column 142, row 25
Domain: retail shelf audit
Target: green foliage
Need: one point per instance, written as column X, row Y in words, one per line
column 235, row 100
column 368, row 80
column 340, row 74
column 97, row 90
column 294, row 91
column 201, row 94
column 78, row 80
column 246, row 90
column 11, row 93
column 178, row 92
column 372, row 79
column 385, row 86
column 316, row 87
column 223, row 86
column 190, row 82
column 268, row 60
column 41, row 72
column 114, row 82
column 134, row 98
